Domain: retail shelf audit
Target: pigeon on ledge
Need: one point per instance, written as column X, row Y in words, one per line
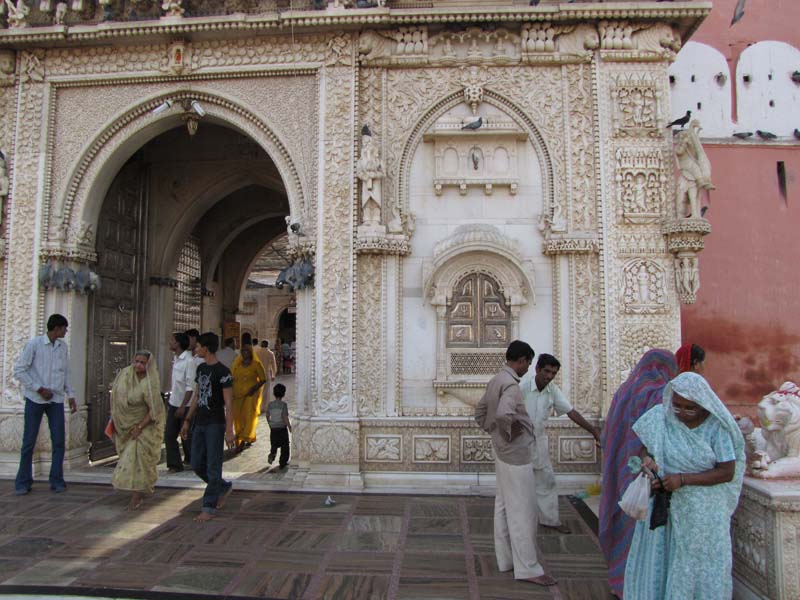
column 766, row 135
column 476, row 124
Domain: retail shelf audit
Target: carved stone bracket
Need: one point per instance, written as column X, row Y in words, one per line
column 163, row 281
column 558, row 244
column 382, row 244
column 685, row 240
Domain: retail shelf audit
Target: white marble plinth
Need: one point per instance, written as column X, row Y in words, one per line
column 766, row 540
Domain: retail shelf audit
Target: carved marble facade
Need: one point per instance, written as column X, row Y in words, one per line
column 516, row 182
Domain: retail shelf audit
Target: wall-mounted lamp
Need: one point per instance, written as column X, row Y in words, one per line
column 165, row 105
column 197, row 108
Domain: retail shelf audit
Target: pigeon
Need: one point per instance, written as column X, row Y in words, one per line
column 682, row 121
column 329, row 501
column 703, row 211
column 796, row 76
column 738, row 12
column 476, row 124
column 797, row 134
column 743, row 135
column 766, row 135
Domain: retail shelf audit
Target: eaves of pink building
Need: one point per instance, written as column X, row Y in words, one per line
column 738, row 79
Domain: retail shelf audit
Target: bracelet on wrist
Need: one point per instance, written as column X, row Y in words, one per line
column 682, row 483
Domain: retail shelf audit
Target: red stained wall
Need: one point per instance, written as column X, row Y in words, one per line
column 747, row 314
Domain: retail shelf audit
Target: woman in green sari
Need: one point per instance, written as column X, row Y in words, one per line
column 695, row 446
column 137, row 412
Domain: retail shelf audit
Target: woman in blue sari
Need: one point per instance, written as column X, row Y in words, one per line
column 694, row 444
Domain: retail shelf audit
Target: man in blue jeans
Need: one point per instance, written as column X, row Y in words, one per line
column 211, row 413
column 43, row 371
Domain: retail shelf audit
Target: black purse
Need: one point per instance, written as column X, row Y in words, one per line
column 661, row 500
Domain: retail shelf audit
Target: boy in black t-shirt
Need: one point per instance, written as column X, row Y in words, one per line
column 211, row 414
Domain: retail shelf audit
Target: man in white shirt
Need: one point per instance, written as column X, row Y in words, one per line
column 228, row 353
column 43, row 371
column 542, row 396
column 183, row 373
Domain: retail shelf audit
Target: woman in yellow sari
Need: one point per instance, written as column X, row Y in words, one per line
column 248, row 377
column 137, row 412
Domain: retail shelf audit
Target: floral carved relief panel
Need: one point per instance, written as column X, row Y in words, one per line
column 370, row 344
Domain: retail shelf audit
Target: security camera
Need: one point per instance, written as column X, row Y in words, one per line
column 295, row 227
column 165, row 105
column 198, row 109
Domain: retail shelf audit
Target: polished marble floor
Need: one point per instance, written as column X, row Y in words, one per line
column 272, row 544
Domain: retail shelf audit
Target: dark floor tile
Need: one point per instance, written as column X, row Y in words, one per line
column 428, row 588
column 56, row 572
column 297, row 539
column 361, row 562
column 276, row 585
column 375, row 523
column 30, row 547
column 577, row 566
column 480, row 511
column 443, row 565
column 155, row 552
column 299, row 561
column 434, row 508
column 354, row 587
column 486, row 566
column 123, row 575
column 585, row 589
column 481, row 526
column 24, row 525
column 9, row 567
column 508, row 588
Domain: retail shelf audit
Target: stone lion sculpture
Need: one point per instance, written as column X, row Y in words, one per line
column 773, row 451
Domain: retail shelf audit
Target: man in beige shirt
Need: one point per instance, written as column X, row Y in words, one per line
column 267, row 358
column 501, row 412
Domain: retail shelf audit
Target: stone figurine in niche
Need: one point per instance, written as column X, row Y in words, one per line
column 7, row 67
column 694, row 171
column 172, row 8
column 60, row 14
column 369, row 171
column 773, row 450
column 17, row 14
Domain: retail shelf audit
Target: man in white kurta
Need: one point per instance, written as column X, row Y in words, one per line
column 542, row 397
column 501, row 412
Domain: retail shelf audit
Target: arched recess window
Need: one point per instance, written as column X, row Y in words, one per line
column 478, row 316
column 188, row 291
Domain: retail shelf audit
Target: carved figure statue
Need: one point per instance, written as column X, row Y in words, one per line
column 7, row 67
column 3, row 183
column 369, row 170
column 643, row 280
column 173, row 8
column 373, row 45
column 17, row 14
column 61, row 13
column 774, row 449
column 395, row 222
column 694, row 171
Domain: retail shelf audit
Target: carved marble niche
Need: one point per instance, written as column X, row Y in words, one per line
column 641, row 184
column 485, row 157
column 645, row 287
column 636, row 105
column 477, row 284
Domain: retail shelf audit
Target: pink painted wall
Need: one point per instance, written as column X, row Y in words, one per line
column 747, row 314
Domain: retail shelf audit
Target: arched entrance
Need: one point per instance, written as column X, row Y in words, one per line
column 180, row 226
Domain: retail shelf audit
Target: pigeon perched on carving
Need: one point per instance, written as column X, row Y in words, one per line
column 766, row 135
column 682, row 121
column 738, row 12
column 476, row 124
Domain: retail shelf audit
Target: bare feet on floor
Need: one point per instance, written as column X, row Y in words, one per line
column 544, row 580
column 203, row 517
column 135, row 502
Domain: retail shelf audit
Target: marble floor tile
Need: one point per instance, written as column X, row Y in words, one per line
column 434, row 543
column 577, row 566
column 24, row 525
column 362, row 562
column 486, row 566
column 10, row 567
column 214, row 556
column 298, row 539
column 426, row 588
column 375, row 523
column 124, row 575
column 383, row 541
column 354, row 587
column 197, row 580
column 299, row 561
column 443, row 566
column 144, row 552
column 57, row 572
column 277, row 585
column 481, row 526
column 30, row 547
column 318, row 522
column 433, row 525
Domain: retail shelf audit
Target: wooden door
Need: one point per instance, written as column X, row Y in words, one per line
column 116, row 308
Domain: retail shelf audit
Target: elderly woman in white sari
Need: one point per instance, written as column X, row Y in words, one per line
column 137, row 412
column 693, row 443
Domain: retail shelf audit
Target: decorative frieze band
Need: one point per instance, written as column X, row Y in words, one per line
column 571, row 245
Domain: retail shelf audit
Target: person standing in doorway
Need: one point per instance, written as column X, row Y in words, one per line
column 542, row 395
column 501, row 413
column 211, row 415
column 228, row 354
column 43, row 371
column 183, row 373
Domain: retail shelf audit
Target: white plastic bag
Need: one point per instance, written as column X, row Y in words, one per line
column 636, row 499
